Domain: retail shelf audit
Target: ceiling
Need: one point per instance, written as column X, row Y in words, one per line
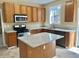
column 28, row 1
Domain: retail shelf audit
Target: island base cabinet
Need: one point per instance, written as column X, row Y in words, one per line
column 43, row 51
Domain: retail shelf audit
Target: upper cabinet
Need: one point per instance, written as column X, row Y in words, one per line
column 41, row 14
column 8, row 12
column 29, row 13
column 70, row 9
column 35, row 14
column 23, row 9
column 38, row 14
column 17, row 9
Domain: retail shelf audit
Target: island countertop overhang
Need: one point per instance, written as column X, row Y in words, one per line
column 35, row 40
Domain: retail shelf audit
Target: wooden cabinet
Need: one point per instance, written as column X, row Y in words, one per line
column 35, row 31
column 29, row 13
column 23, row 9
column 41, row 15
column 49, row 50
column 11, row 39
column 43, row 51
column 70, row 10
column 35, row 14
column 68, row 40
column 17, row 9
column 8, row 12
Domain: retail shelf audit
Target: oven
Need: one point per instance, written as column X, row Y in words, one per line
column 21, row 29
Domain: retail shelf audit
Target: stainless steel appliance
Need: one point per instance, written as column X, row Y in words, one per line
column 21, row 29
column 20, row 18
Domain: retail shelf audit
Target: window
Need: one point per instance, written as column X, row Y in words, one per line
column 55, row 14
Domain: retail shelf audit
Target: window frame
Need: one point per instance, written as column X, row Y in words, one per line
column 52, row 21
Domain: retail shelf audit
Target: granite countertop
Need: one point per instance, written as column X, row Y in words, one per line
column 35, row 40
column 9, row 31
column 65, row 30
column 50, row 27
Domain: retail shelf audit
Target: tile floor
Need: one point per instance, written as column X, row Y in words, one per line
column 60, row 53
column 1, row 41
column 66, row 53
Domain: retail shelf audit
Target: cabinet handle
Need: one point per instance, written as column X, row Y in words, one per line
column 44, row 47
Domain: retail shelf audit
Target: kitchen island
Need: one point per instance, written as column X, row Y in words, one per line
column 40, row 45
column 68, row 32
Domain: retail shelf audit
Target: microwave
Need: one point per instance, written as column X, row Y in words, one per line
column 20, row 18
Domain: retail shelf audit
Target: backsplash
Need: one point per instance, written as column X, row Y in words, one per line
column 8, row 26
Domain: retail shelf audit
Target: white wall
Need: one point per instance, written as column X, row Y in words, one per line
column 62, row 13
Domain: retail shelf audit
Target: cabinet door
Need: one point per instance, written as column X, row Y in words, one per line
column 11, row 39
column 49, row 49
column 23, row 10
column 8, row 12
column 35, row 52
column 39, row 14
column 35, row 14
column 29, row 13
column 17, row 9
column 69, row 10
column 43, row 15
column 70, row 39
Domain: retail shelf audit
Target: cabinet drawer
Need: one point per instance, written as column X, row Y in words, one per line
column 12, row 34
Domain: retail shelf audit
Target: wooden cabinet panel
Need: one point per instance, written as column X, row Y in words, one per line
column 17, row 9
column 39, row 15
column 70, row 38
column 70, row 10
column 35, row 14
column 35, row 52
column 48, row 48
column 43, row 14
column 23, row 49
column 11, row 39
column 43, row 51
column 23, row 10
column 8, row 12
column 29, row 13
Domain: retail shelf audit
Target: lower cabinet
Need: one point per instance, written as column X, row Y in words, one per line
column 60, row 42
column 41, row 30
column 68, row 41
column 44, row 51
column 11, row 39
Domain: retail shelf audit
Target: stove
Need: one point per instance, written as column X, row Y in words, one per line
column 21, row 29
